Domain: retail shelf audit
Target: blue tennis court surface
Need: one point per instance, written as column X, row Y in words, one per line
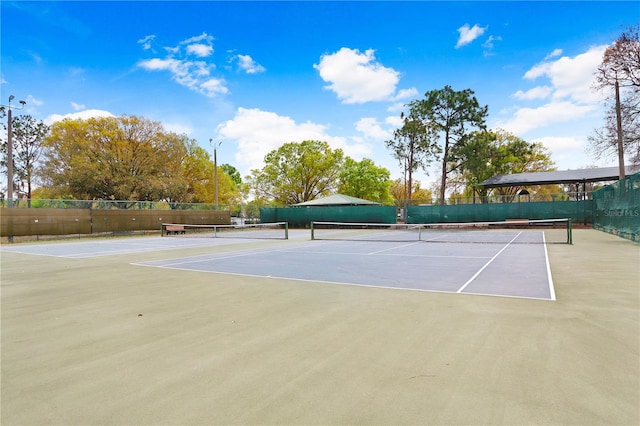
column 109, row 247
column 508, row 270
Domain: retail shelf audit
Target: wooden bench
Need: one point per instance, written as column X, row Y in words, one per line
column 174, row 229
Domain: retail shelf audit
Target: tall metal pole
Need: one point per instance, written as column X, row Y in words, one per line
column 10, row 148
column 215, row 168
column 619, row 132
column 215, row 174
column 9, row 159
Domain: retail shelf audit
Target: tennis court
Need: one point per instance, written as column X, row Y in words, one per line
column 498, row 269
column 156, row 330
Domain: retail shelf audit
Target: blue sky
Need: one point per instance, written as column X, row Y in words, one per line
column 255, row 75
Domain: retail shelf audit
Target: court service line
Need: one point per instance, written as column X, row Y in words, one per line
column 395, row 248
column 348, row 253
column 461, row 289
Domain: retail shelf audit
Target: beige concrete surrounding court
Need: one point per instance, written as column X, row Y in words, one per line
column 100, row 341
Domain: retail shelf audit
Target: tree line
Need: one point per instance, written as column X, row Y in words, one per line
column 133, row 158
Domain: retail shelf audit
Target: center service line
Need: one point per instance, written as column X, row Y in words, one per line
column 461, row 289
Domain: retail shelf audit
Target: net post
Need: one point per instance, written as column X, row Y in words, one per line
column 286, row 230
column 162, row 230
column 569, row 231
column 312, row 238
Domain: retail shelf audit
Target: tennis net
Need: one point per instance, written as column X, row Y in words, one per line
column 558, row 231
column 275, row 230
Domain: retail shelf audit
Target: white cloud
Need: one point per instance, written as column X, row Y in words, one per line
column 567, row 90
column 395, row 121
column 371, row 129
column 201, row 50
column 32, row 104
column 248, row 65
column 526, row 119
column 397, row 107
column 356, row 77
column 77, row 107
column 405, row 93
column 146, row 42
column 82, row 115
column 258, row 132
column 489, row 44
column 566, row 151
column 197, row 39
column 468, row 34
column 31, row 101
column 156, row 64
column 177, row 127
column 561, row 144
column 553, row 54
column 195, row 75
column 540, row 92
column 571, row 78
column 213, row 87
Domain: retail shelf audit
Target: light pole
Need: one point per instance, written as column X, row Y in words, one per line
column 10, row 149
column 619, row 131
column 215, row 167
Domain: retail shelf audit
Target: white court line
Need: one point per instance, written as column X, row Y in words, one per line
column 172, row 263
column 115, row 248
column 106, row 248
column 121, row 251
column 36, row 254
column 461, row 289
column 348, row 253
column 552, row 291
column 436, row 238
column 216, row 256
column 394, row 248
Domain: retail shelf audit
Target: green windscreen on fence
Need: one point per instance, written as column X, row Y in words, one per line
column 303, row 216
column 617, row 208
column 577, row 211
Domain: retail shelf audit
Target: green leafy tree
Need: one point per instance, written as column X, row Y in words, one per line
column 196, row 185
column 453, row 115
column 421, row 195
column 399, row 193
column 228, row 193
column 124, row 158
column 490, row 153
column 298, row 172
column 237, row 192
column 233, row 173
column 28, row 144
column 415, row 146
column 363, row 179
